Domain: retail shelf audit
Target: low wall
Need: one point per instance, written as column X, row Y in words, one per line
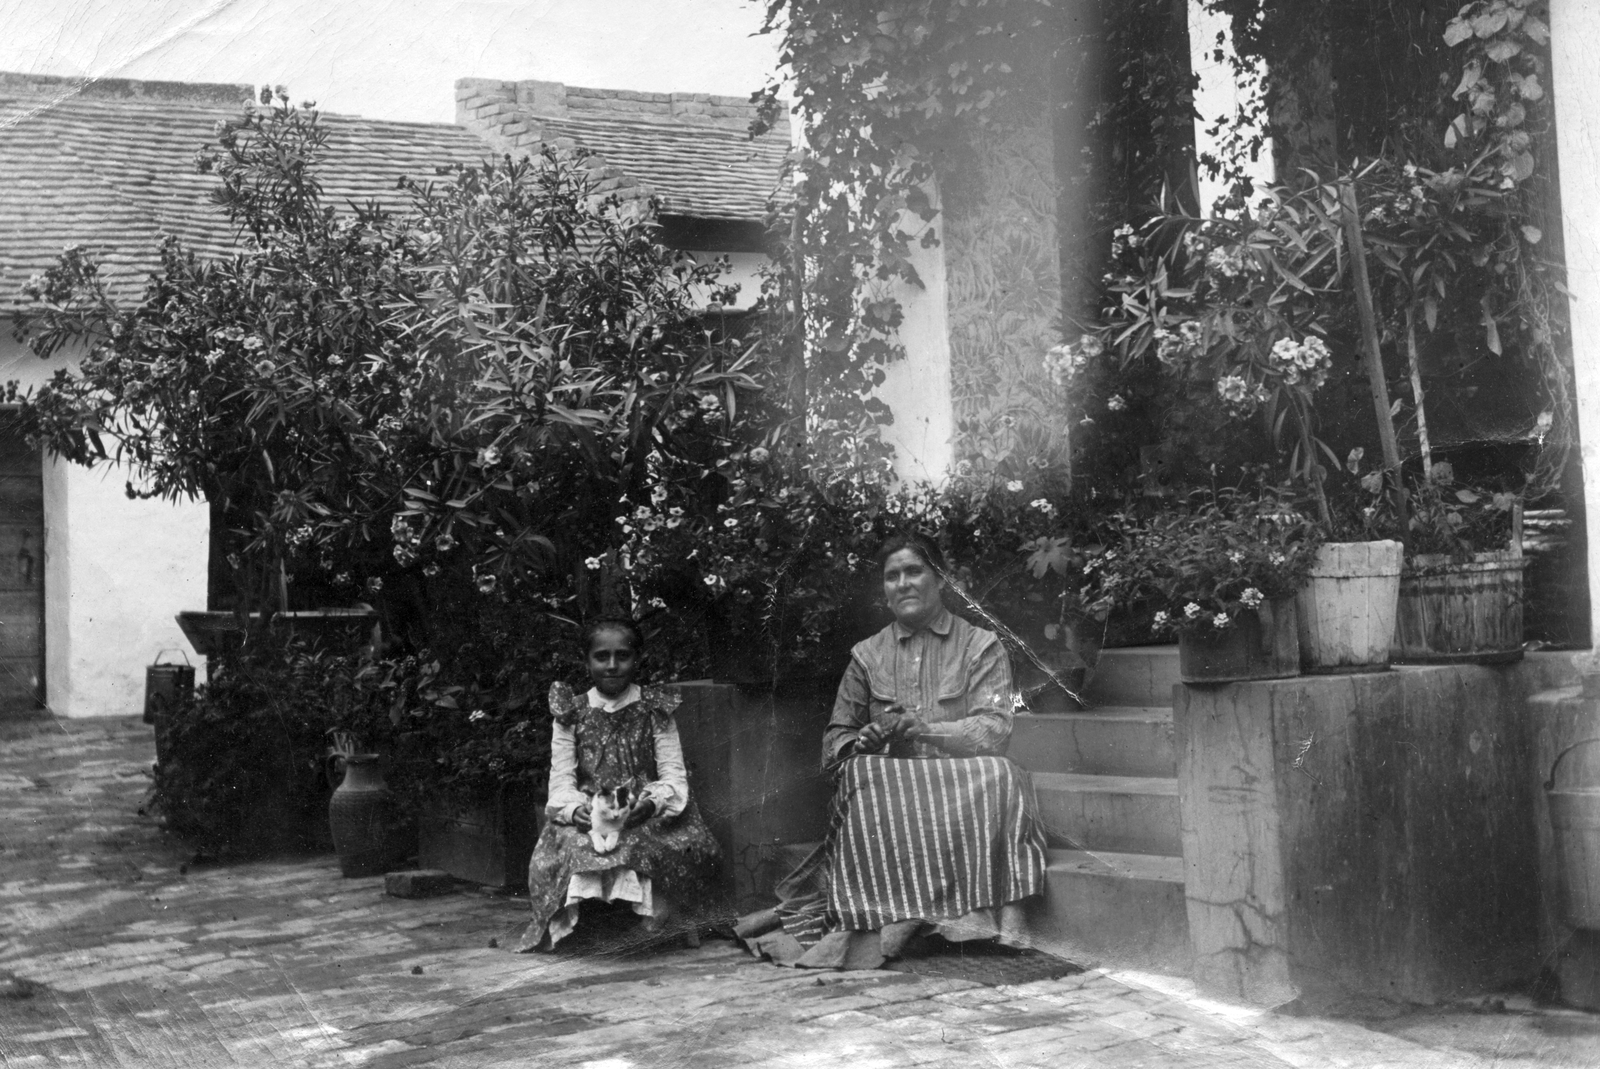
column 1362, row 835
column 754, row 761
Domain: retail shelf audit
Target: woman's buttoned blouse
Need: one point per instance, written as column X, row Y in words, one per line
column 949, row 674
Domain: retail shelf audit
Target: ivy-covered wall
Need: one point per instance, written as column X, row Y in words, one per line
column 1004, row 288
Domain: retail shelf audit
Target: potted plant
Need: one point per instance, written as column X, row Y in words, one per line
column 1460, row 593
column 470, row 760
column 1223, row 573
column 242, row 769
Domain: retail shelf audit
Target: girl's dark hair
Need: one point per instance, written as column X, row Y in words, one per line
column 612, row 623
column 916, row 542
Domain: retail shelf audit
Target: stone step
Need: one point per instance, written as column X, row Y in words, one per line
column 1115, row 910
column 1134, row 675
column 1126, row 814
column 1111, row 740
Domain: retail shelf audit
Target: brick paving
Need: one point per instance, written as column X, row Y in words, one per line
column 114, row 952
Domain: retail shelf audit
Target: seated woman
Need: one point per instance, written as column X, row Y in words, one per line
column 931, row 829
column 650, row 848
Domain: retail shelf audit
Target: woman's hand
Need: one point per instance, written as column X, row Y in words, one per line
column 642, row 810
column 580, row 817
column 909, row 727
column 873, row 738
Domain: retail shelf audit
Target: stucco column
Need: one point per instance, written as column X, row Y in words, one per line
column 917, row 388
column 1574, row 29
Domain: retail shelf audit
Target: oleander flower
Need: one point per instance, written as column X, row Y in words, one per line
column 1220, row 621
column 1251, row 598
column 1192, row 610
column 1169, row 346
column 1160, row 621
column 1307, row 361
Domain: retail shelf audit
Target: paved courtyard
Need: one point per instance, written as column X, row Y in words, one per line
column 114, row 952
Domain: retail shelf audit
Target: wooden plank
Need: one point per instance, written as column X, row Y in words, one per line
column 21, row 557
column 21, row 633
column 21, row 494
column 21, row 575
column 21, row 688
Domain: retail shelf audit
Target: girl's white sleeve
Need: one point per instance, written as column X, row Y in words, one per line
column 563, row 796
column 670, row 791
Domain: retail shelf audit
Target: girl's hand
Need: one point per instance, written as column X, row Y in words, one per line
column 642, row 810
column 580, row 817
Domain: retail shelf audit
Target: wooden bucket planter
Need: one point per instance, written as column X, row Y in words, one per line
column 1347, row 608
column 1461, row 611
column 1263, row 644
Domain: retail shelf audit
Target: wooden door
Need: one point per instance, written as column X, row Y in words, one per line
column 21, row 576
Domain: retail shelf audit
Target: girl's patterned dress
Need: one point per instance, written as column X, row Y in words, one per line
column 676, row 853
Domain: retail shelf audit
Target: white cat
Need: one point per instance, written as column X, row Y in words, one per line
column 608, row 812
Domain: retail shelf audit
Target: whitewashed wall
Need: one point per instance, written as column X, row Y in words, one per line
column 1575, row 77
column 116, row 573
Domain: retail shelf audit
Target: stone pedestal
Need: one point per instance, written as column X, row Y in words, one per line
column 755, row 764
column 1360, row 836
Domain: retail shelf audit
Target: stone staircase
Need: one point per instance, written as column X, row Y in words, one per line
column 1106, row 780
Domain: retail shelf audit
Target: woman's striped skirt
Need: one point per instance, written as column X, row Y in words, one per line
column 944, row 841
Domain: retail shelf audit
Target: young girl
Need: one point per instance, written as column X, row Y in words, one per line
column 617, row 735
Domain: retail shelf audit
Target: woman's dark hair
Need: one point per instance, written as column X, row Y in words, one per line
column 916, row 542
column 612, row 623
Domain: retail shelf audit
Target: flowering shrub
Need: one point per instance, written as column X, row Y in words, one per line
column 1199, row 567
column 1255, row 310
column 444, row 411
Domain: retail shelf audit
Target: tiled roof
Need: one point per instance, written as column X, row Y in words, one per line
column 109, row 166
column 693, row 150
column 696, row 171
column 115, row 173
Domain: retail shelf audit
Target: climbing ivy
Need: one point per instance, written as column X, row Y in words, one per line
column 888, row 95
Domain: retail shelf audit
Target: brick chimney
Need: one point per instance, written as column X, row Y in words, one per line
column 508, row 114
